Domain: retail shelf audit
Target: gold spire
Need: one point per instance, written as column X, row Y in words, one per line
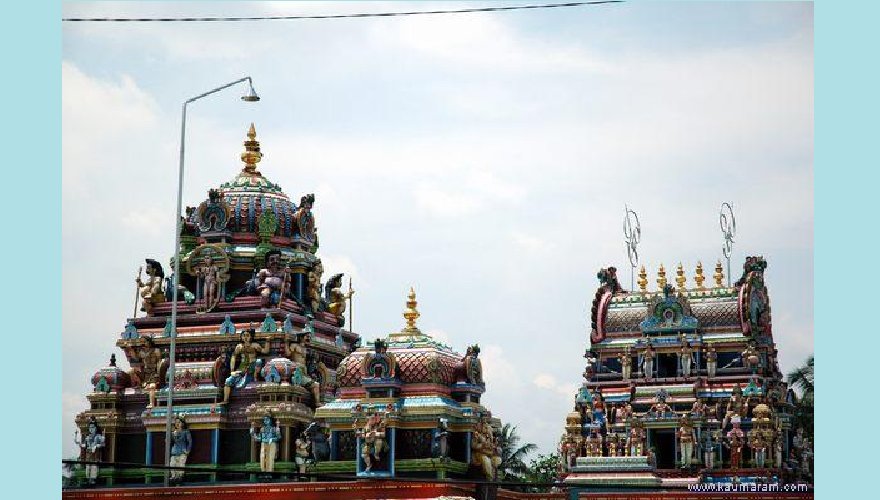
column 643, row 279
column 661, row 278
column 411, row 314
column 679, row 277
column 698, row 277
column 719, row 275
column 252, row 154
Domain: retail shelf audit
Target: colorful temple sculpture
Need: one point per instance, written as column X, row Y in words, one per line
column 681, row 386
column 260, row 336
column 408, row 405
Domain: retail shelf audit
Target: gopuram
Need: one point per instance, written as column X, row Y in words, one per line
column 267, row 377
column 259, row 336
column 681, row 386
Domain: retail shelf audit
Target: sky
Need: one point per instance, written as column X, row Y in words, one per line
column 484, row 159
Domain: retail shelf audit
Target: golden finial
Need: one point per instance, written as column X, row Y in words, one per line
column 698, row 277
column 411, row 314
column 252, row 154
column 643, row 280
column 719, row 275
column 679, row 277
column 661, row 278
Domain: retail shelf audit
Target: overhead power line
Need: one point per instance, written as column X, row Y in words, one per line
column 334, row 16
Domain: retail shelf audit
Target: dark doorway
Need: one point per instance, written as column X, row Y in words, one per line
column 663, row 442
column 667, row 365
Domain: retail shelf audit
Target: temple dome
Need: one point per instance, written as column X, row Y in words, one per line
column 247, row 196
column 419, row 358
column 110, row 378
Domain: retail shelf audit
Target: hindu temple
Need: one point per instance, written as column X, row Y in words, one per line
column 266, row 377
column 681, row 385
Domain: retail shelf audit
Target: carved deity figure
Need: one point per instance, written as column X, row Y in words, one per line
column 372, row 436
column 150, row 289
column 473, row 367
column 92, row 447
column 687, row 358
column 210, row 274
column 152, row 366
column 313, row 286
column 660, row 408
column 686, row 440
column 735, row 439
column 268, row 436
column 181, row 445
column 635, row 439
column 710, row 441
column 711, row 361
column 737, row 405
column 440, row 446
column 778, row 447
column 648, row 362
column 484, row 449
column 699, row 409
column 297, row 352
column 594, row 444
column 598, row 405
column 335, row 297
column 750, row 358
column 244, row 362
column 758, row 443
column 302, row 452
column 380, row 363
column 625, row 363
column 613, row 442
column 590, row 367
column 273, row 281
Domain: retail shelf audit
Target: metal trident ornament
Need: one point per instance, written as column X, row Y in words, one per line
column 632, row 232
column 728, row 229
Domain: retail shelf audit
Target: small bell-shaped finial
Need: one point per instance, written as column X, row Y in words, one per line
column 411, row 314
column 679, row 277
column 643, row 280
column 698, row 277
column 661, row 278
column 719, row 275
column 252, row 154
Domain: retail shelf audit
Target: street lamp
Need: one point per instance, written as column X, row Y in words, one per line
column 249, row 96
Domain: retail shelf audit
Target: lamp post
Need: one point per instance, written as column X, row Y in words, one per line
column 250, row 96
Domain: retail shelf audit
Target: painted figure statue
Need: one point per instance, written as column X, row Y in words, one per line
column 484, row 450
column 152, row 366
column 687, row 358
column 625, row 363
column 243, row 362
column 92, row 446
column 181, row 445
column 372, row 436
column 313, row 287
column 635, row 439
column 296, row 351
column 594, row 443
column 710, row 441
column 473, row 367
column 735, row 443
column 758, row 444
column 335, row 297
column 711, row 361
column 699, row 409
column 273, row 281
column 778, row 446
column 440, row 444
column 648, row 362
column 737, row 405
column 210, row 275
column 750, row 358
column 660, row 409
column 302, row 452
column 150, row 289
column 686, row 440
column 268, row 436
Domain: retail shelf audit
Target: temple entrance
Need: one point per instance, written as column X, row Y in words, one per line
column 667, row 365
column 663, row 442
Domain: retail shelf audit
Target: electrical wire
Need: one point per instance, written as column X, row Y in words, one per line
column 335, row 16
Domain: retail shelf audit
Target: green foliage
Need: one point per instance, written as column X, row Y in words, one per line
column 802, row 379
column 544, row 468
column 513, row 466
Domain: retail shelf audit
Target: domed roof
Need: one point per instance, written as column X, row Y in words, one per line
column 247, row 196
column 419, row 359
column 110, row 378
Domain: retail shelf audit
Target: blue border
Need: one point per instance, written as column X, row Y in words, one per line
column 31, row 41
column 846, row 181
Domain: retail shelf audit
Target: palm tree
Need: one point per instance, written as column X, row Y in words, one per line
column 802, row 378
column 513, row 465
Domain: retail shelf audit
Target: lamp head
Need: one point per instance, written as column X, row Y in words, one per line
column 251, row 95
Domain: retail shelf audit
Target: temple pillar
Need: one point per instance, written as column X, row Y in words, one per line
column 391, row 454
column 334, row 438
column 215, row 445
column 285, row 443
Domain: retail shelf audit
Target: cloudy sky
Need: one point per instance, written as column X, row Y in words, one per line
column 484, row 159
